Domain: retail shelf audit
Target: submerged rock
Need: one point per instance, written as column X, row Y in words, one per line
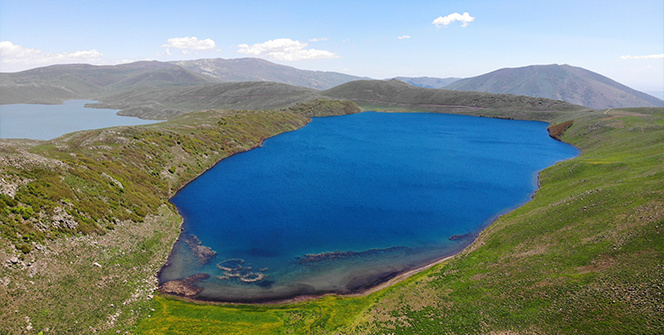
column 184, row 287
column 234, row 268
column 334, row 255
column 460, row 237
column 203, row 253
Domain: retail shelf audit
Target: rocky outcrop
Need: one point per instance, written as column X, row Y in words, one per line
column 184, row 287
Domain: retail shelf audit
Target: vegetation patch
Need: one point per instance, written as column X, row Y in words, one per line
column 557, row 130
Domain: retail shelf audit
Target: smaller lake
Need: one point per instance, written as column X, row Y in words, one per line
column 45, row 122
column 348, row 202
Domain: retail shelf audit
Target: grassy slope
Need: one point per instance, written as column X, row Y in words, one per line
column 90, row 211
column 586, row 255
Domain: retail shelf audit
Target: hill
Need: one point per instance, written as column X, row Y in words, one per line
column 56, row 83
column 395, row 94
column 561, row 82
column 168, row 102
column 427, row 82
column 256, row 69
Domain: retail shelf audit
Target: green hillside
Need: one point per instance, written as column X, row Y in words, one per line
column 85, row 221
column 396, row 95
column 168, row 102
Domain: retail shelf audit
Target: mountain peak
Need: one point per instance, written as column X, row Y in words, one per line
column 561, row 82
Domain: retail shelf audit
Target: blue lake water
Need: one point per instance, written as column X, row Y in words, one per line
column 348, row 202
column 45, row 122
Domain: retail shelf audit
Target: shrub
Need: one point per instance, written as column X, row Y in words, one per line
column 24, row 248
column 9, row 201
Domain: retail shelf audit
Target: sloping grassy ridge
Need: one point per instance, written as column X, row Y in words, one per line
column 586, row 255
column 87, row 181
column 395, row 95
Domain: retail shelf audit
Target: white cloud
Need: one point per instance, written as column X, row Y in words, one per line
column 655, row 56
column 319, row 39
column 188, row 44
column 403, row 37
column 15, row 57
column 446, row 20
column 285, row 49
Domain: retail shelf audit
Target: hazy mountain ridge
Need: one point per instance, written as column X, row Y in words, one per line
column 256, row 69
column 53, row 84
column 428, row 82
column 56, row 83
column 561, row 82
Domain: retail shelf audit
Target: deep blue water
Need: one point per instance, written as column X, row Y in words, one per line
column 45, row 122
column 370, row 194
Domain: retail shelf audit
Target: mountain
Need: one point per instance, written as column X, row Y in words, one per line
column 53, row 84
column 427, row 82
column 562, row 82
column 56, row 83
column 256, row 69
column 395, row 94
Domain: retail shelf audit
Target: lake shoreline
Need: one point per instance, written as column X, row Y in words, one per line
column 381, row 284
column 304, row 298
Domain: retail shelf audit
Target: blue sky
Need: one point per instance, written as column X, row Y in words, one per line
column 623, row 40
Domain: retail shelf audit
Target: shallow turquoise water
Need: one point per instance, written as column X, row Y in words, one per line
column 45, row 122
column 348, row 202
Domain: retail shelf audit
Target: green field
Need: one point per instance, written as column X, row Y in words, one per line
column 586, row 255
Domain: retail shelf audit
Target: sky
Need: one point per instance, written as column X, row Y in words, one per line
column 623, row 40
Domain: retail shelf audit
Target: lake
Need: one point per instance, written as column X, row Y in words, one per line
column 45, row 122
column 348, row 202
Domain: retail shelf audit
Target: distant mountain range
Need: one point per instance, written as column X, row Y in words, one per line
column 256, row 69
column 54, row 84
column 561, row 82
